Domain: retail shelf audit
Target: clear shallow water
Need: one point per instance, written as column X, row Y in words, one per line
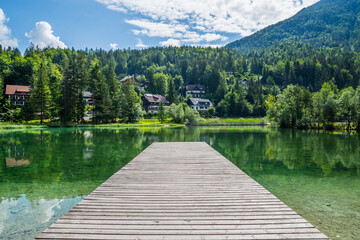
column 44, row 173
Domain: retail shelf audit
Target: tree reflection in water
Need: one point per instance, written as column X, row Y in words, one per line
column 317, row 174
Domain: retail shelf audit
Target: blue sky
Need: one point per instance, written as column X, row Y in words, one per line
column 137, row 23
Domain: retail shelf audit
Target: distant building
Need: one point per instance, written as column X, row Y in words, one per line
column 88, row 98
column 132, row 79
column 151, row 102
column 200, row 104
column 196, row 91
column 18, row 95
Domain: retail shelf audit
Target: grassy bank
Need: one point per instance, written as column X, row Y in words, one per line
column 142, row 123
column 230, row 122
column 37, row 125
column 4, row 125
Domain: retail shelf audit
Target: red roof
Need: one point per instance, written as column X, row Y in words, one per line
column 153, row 98
column 13, row 89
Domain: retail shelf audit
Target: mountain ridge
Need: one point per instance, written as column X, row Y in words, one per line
column 327, row 23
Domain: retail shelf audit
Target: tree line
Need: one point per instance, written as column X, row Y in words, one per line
column 297, row 107
column 238, row 85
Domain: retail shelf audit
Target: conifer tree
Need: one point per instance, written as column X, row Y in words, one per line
column 27, row 111
column 41, row 92
column 1, row 90
column 81, row 77
column 161, row 114
column 171, row 94
column 114, row 90
column 68, row 102
column 55, row 90
column 101, row 95
column 131, row 109
column 222, row 88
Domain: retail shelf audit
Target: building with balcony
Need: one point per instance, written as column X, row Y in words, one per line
column 151, row 102
column 17, row 94
column 196, row 91
column 200, row 104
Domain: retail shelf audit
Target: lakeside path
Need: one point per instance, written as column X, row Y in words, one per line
column 181, row 191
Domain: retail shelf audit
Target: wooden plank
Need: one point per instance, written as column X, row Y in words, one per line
column 254, row 236
column 180, row 226
column 181, row 191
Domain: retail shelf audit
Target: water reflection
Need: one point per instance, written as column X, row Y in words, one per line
column 12, row 162
column 43, row 173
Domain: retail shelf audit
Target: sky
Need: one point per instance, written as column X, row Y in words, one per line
column 137, row 24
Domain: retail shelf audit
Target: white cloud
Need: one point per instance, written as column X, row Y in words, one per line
column 194, row 37
column 112, row 5
column 114, row 46
column 171, row 42
column 5, row 32
column 42, row 36
column 208, row 45
column 140, row 44
column 157, row 29
column 117, row 9
column 177, row 19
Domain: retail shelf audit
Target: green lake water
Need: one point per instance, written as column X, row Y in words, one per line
column 44, row 173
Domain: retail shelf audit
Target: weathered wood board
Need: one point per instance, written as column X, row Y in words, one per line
column 181, row 191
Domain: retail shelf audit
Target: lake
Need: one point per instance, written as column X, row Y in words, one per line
column 44, row 173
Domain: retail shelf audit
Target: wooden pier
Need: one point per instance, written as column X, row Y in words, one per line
column 181, row 191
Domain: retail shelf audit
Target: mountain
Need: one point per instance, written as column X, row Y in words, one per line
column 328, row 23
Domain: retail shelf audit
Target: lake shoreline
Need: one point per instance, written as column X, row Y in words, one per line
column 210, row 122
column 141, row 124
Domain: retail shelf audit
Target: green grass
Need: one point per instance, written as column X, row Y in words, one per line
column 6, row 125
column 230, row 121
column 36, row 125
column 142, row 123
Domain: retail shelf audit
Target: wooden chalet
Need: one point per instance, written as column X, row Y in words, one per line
column 200, row 104
column 196, row 91
column 151, row 102
column 17, row 94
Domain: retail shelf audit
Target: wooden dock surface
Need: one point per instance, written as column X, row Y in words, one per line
column 181, row 191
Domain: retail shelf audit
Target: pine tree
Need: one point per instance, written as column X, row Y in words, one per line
column 150, row 77
column 81, row 77
column 161, row 114
column 131, row 109
column 94, row 79
column 55, row 89
column 101, row 95
column 27, row 111
column 104, row 106
column 68, row 101
column 222, row 87
column 114, row 90
column 171, row 94
column 1, row 91
column 41, row 92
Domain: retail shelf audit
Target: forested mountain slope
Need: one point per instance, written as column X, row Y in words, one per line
column 328, row 23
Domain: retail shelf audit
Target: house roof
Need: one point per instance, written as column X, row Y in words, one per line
column 195, row 87
column 201, row 102
column 132, row 78
column 13, row 89
column 154, row 98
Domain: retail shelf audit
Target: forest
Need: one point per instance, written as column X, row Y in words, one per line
column 327, row 23
column 297, row 107
column 238, row 85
